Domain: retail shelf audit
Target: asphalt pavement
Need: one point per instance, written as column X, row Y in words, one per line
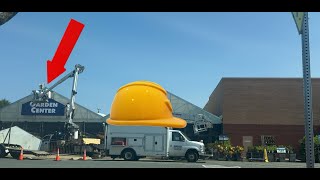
column 143, row 163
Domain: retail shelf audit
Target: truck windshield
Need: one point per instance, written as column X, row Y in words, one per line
column 185, row 136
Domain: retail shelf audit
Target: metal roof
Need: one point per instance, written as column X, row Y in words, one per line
column 189, row 111
column 12, row 112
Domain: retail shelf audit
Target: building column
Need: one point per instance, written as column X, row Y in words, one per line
column 25, row 126
column 41, row 129
column 84, row 127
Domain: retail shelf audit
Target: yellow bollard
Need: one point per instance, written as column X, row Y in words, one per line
column 265, row 155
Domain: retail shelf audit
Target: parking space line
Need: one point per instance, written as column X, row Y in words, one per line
column 219, row 166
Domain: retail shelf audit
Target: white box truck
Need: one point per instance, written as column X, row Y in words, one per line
column 135, row 142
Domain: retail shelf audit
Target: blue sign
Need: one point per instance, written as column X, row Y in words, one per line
column 50, row 108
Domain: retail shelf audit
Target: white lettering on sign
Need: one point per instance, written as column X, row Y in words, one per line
column 47, row 108
column 43, row 104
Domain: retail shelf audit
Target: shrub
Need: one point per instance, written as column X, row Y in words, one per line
column 271, row 149
column 302, row 150
column 225, row 149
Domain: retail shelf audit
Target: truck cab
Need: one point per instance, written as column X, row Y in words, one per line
column 181, row 146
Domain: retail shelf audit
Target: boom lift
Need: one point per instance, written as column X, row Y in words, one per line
column 69, row 141
column 42, row 95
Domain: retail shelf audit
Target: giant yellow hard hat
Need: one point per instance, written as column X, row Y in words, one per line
column 143, row 103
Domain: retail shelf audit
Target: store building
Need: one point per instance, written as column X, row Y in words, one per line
column 258, row 111
column 41, row 118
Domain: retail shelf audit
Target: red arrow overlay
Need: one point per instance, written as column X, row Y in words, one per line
column 55, row 67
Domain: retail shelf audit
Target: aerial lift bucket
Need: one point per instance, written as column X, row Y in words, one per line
column 199, row 126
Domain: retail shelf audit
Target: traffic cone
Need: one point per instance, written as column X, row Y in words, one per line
column 84, row 155
column 265, row 155
column 57, row 156
column 21, row 155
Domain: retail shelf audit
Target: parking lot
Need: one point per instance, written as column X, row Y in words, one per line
column 143, row 163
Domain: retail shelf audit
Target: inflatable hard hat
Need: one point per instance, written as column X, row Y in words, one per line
column 143, row 103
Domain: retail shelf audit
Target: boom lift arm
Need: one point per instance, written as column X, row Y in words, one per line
column 42, row 95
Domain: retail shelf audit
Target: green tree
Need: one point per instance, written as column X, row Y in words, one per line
column 6, row 16
column 3, row 103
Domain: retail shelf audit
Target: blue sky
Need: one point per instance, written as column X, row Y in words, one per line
column 186, row 53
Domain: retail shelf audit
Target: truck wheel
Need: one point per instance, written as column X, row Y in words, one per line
column 129, row 155
column 113, row 157
column 15, row 154
column 3, row 151
column 192, row 156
